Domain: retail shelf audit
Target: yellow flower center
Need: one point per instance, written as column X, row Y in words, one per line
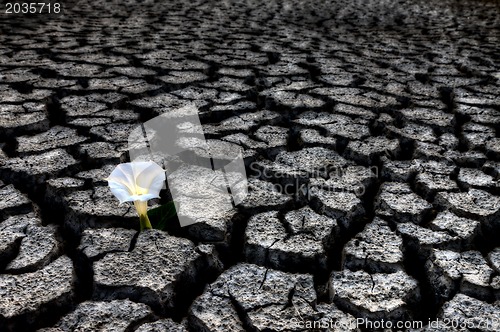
column 140, row 191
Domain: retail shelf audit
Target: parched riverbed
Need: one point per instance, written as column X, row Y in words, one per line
column 370, row 133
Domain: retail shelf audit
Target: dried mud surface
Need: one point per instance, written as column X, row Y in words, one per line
column 381, row 118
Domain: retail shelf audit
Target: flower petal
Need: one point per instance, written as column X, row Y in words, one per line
column 136, row 181
column 124, row 174
column 120, row 191
column 143, row 198
column 151, row 178
column 140, row 166
column 157, row 184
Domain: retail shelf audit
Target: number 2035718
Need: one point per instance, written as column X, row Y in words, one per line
column 32, row 8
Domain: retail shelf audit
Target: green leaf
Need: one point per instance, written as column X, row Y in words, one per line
column 160, row 216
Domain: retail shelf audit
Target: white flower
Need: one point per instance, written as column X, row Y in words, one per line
column 137, row 182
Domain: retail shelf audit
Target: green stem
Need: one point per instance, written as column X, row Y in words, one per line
column 145, row 223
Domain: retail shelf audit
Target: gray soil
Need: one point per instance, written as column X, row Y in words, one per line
column 399, row 99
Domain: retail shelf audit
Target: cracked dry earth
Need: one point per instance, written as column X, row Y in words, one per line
column 401, row 96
